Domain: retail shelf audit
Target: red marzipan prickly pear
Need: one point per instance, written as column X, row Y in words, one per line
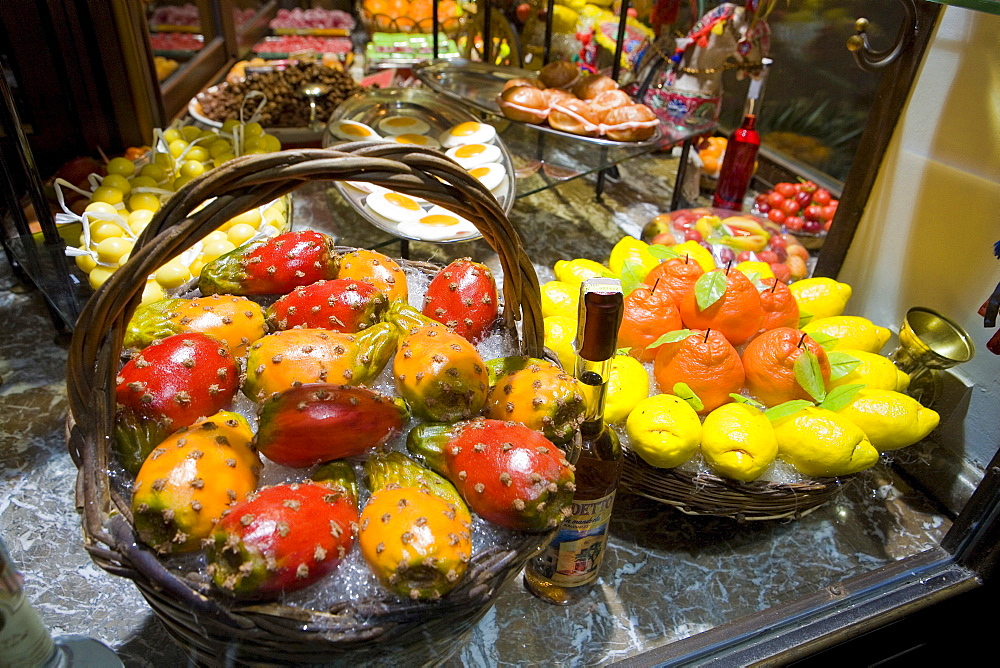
column 416, row 532
column 168, row 385
column 317, row 422
column 341, row 305
column 508, row 474
column 283, row 537
column 273, row 267
column 463, row 296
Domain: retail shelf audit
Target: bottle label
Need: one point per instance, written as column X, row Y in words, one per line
column 573, row 558
column 24, row 640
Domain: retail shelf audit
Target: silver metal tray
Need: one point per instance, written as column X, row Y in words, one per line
column 372, row 106
column 477, row 85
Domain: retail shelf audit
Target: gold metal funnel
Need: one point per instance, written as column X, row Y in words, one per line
column 929, row 342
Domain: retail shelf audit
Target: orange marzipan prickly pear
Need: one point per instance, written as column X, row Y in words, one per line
column 295, row 357
column 540, row 396
column 440, row 374
column 234, row 320
column 284, row 537
column 415, row 531
column 377, row 269
column 190, row 478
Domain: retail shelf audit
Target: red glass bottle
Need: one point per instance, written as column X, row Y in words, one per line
column 741, row 150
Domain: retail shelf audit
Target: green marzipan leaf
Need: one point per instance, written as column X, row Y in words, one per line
column 804, row 318
column 824, row 340
column 841, row 363
column 809, row 376
column 687, row 394
column 670, row 337
column 841, row 396
column 622, row 351
column 631, row 276
column 661, row 252
column 775, row 413
column 740, row 399
column 709, row 288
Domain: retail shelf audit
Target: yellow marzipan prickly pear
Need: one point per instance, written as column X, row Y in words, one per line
column 542, row 397
column 440, row 374
column 415, row 532
column 188, row 480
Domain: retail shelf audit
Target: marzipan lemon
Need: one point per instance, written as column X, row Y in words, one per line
column 628, row 384
column 696, row 252
column 560, row 331
column 851, row 331
column 664, row 430
column 577, row 271
column 738, row 441
column 890, row 420
column 823, row 444
column 633, row 251
column 755, row 270
column 560, row 298
column 820, row 297
column 876, row 372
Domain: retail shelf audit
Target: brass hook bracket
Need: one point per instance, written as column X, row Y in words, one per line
column 872, row 61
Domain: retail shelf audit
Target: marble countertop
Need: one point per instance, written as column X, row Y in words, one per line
column 666, row 575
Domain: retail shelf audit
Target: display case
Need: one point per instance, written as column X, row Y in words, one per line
column 912, row 542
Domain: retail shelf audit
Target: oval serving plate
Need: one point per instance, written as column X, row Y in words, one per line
column 477, row 85
column 286, row 135
column 374, row 106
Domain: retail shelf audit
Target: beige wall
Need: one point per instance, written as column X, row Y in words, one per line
column 927, row 235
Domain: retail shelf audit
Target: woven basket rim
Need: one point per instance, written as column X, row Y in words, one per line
column 199, row 615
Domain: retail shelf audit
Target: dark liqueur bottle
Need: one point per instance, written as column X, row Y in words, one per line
column 562, row 573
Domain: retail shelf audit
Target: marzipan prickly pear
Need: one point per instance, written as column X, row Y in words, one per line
column 463, row 296
column 272, row 267
column 508, row 474
column 415, row 531
column 318, row 422
column 440, row 374
column 168, row 385
column 341, row 305
column 236, row 321
column 541, row 396
column 190, row 478
column 284, row 537
column 377, row 269
column 298, row 356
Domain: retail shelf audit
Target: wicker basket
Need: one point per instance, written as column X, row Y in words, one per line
column 700, row 493
column 213, row 629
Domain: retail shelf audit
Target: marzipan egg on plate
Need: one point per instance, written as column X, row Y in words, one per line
column 470, row 132
column 394, row 206
column 492, row 175
column 416, row 140
column 438, row 224
column 474, row 155
column 352, row 131
column 401, row 125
